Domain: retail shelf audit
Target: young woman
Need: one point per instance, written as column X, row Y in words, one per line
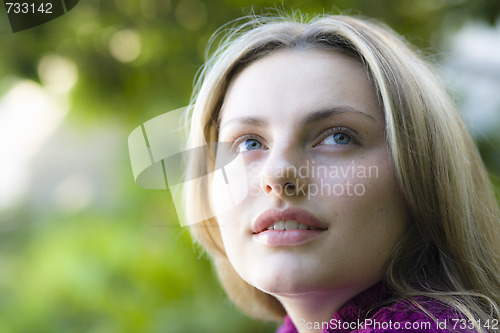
column 368, row 207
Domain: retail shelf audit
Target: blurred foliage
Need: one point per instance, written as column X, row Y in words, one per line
column 173, row 46
column 123, row 265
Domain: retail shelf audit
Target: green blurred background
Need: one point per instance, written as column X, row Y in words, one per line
column 82, row 248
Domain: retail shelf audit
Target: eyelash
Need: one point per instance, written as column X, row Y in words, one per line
column 353, row 135
column 241, row 137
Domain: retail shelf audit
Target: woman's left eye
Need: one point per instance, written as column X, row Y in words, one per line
column 338, row 138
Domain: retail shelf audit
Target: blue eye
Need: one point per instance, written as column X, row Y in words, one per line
column 249, row 144
column 337, row 139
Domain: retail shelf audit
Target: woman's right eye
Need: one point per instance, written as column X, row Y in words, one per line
column 249, row 144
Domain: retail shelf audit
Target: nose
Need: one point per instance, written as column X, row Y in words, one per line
column 285, row 173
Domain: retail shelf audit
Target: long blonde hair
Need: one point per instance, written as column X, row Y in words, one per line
column 452, row 249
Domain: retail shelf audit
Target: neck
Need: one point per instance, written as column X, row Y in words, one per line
column 311, row 311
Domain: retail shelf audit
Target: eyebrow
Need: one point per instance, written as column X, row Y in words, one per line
column 324, row 114
column 314, row 117
column 252, row 121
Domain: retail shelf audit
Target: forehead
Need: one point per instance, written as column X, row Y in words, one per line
column 290, row 83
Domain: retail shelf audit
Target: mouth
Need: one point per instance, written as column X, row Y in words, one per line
column 289, row 227
column 288, row 219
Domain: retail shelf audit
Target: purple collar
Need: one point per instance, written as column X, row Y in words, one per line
column 377, row 306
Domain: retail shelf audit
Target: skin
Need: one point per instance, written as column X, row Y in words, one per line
column 265, row 115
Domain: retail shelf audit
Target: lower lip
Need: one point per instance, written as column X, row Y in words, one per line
column 294, row 237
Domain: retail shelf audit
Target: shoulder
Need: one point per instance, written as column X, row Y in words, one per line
column 416, row 315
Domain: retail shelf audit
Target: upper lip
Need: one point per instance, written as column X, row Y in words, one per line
column 269, row 217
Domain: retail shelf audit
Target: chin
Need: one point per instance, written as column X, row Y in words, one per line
column 287, row 281
column 282, row 287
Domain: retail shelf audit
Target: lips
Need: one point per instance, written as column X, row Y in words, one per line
column 288, row 219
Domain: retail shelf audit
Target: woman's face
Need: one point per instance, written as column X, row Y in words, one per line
column 309, row 118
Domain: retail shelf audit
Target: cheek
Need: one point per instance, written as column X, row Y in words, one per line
column 345, row 181
column 234, row 219
column 229, row 185
column 230, row 218
column 228, row 225
column 365, row 206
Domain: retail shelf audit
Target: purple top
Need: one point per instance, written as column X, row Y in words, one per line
column 359, row 315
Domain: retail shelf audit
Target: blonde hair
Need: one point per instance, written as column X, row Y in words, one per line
column 451, row 251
